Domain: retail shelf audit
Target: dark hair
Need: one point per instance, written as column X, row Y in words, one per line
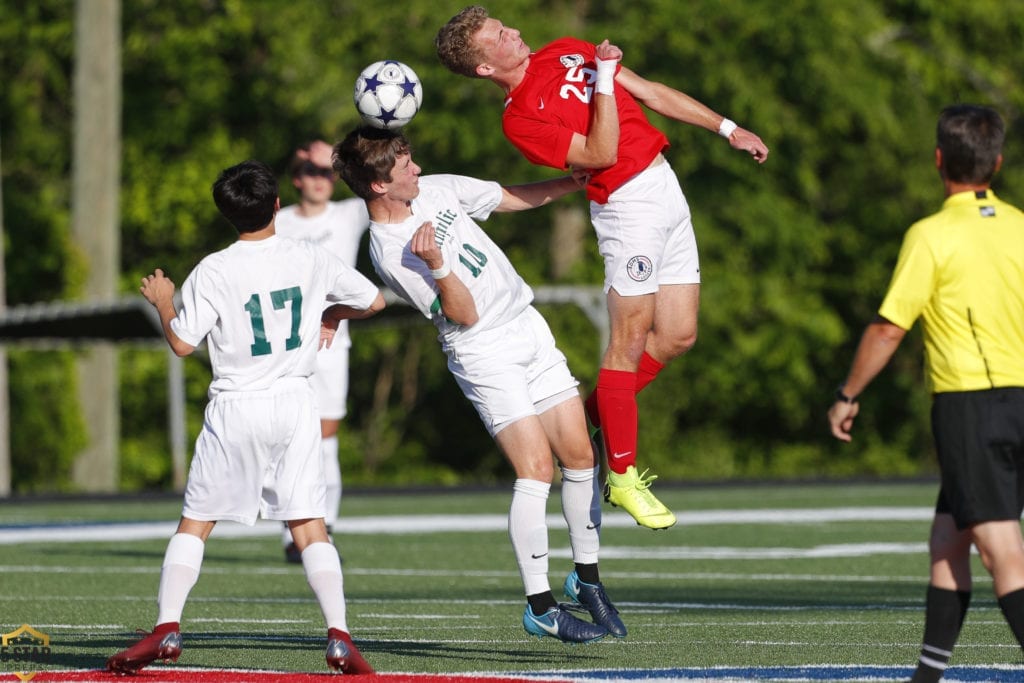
column 367, row 155
column 454, row 41
column 971, row 139
column 246, row 195
column 301, row 165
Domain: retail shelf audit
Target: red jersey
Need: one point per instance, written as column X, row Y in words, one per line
column 553, row 102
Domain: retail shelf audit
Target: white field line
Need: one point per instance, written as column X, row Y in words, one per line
column 420, row 524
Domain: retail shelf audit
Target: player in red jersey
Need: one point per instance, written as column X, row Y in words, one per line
column 572, row 104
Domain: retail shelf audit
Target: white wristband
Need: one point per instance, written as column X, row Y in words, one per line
column 726, row 128
column 441, row 272
column 605, row 81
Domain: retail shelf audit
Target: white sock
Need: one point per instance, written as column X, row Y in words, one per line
column 323, row 572
column 581, row 507
column 528, row 530
column 182, row 562
column 332, row 478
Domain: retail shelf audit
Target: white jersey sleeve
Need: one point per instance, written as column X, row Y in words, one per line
column 477, row 197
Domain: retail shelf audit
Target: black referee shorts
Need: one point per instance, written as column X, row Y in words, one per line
column 979, row 438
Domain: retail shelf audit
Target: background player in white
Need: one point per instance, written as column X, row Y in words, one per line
column 426, row 246
column 260, row 305
column 337, row 226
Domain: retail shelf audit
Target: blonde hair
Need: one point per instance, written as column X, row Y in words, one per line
column 454, row 42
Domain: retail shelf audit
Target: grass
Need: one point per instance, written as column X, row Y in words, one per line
column 804, row 591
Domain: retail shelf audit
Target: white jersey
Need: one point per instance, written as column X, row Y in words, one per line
column 338, row 229
column 451, row 203
column 259, row 303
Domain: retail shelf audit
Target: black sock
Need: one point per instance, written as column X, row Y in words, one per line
column 943, row 616
column 1012, row 605
column 588, row 573
column 541, row 602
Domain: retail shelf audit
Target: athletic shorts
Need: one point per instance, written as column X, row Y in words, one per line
column 258, row 454
column 330, row 380
column 979, row 438
column 508, row 373
column 645, row 235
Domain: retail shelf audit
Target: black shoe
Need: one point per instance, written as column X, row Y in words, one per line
column 292, row 554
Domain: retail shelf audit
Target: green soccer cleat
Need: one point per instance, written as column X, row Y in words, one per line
column 632, row 493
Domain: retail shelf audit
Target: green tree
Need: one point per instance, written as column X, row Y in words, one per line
column 796, row 253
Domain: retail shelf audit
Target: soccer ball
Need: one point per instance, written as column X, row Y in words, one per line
column 388, row 94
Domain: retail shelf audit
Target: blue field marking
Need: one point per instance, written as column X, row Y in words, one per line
column 721, row 674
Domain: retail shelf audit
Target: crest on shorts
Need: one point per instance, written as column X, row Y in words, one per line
column 569, row 61
column 639, row 268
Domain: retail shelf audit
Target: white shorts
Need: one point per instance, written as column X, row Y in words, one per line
column 509, row 372
column 645, row 235
column 258, row 454
column 330, row 380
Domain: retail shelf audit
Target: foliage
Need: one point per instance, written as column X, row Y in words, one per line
column 47, row 431
column 796, row 253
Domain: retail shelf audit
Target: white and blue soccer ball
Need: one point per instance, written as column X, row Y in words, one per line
column 388, row 94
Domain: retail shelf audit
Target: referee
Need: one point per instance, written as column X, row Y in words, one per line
column 962, row 271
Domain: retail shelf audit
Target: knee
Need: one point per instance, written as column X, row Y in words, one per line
column 537, row 469
column 995, row 558
column 582, row 456
column 684, row 343
column 665, row 347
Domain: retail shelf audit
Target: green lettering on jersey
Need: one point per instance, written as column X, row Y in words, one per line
column 279, row 298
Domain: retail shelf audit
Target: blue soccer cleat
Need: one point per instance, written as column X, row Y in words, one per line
column 558, row 623
column 593, row 598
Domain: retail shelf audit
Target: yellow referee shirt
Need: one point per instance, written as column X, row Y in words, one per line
column 962, row 271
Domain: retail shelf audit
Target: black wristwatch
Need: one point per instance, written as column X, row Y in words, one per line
column 840, row 395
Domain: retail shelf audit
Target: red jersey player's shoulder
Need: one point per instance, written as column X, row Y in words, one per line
column 566, row 45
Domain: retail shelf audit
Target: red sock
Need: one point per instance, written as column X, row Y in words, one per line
column 616, row 403
column 647, row 371
column 590, row 406
column 645, row 374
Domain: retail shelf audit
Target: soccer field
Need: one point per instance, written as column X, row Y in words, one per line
column 787, row 582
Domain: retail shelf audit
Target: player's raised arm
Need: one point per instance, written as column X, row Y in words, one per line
column 599, row 148
column 677, row 105
column 159, row 291
column 532, row 195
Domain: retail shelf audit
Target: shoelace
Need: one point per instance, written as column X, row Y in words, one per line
column 603, row 597
column 643, row 481
column 573, row 607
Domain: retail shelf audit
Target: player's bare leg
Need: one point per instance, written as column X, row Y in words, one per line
column 674, row 331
